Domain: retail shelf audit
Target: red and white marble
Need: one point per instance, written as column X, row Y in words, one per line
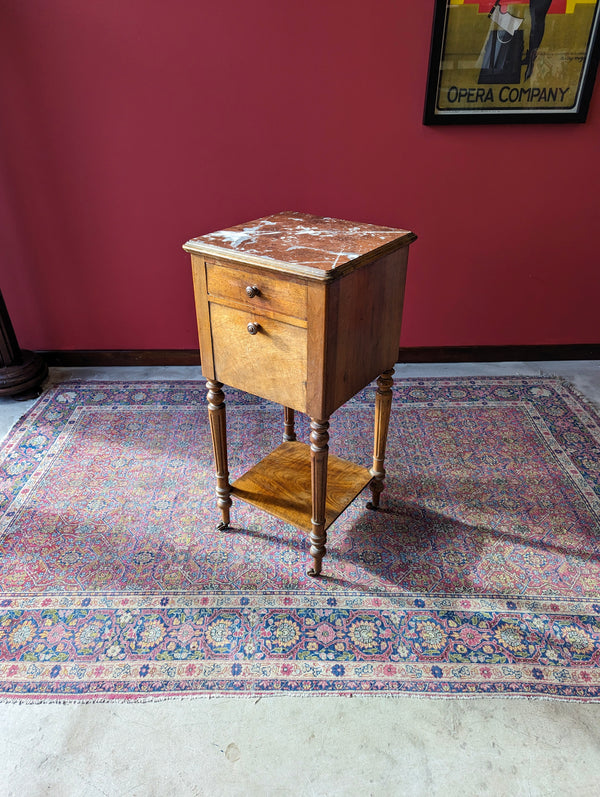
column 313, row 243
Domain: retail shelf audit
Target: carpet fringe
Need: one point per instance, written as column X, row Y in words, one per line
column 257, row 697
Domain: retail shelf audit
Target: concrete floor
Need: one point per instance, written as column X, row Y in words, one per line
column 284, row 746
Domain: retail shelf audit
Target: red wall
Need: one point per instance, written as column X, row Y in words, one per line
column 129, row 126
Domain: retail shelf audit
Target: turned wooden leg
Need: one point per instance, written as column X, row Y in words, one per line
column 319, row 437
column 383, row 404
column 289, row 433
column 218, row 430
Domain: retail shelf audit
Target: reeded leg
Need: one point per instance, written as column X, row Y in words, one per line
column 289, row 433
column 218, row 430
column 383, row 404
column 319, row 437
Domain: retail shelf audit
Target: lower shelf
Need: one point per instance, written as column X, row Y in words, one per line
column 281, row 485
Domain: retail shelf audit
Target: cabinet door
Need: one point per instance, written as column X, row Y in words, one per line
column 268, row 360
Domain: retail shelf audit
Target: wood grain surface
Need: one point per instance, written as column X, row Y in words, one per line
column 281, row 485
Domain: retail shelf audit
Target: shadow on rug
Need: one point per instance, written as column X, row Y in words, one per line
column 480, row 576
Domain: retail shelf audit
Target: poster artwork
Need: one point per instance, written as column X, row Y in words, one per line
column 524, row 56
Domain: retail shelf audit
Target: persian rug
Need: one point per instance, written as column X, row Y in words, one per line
column 479, row 576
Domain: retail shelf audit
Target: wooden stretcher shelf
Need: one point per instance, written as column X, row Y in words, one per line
column 281, row 485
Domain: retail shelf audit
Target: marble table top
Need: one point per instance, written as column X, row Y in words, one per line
column 315, row 246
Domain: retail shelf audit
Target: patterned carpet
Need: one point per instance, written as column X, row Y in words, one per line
column 480, row 576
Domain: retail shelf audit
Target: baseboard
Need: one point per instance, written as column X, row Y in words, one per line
column 118, row 357
column 426, row 354
column 497, row 354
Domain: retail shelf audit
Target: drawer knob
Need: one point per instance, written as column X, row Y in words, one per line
column 252, row 291
column 253, row 328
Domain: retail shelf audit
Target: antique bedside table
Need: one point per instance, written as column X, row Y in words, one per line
column 303, row 311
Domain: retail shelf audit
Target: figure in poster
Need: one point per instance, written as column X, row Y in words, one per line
column 503, row 51
column 537, row 11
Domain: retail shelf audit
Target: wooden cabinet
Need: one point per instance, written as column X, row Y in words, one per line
column 304, row 311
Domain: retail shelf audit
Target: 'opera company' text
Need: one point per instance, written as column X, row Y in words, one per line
column 506, row 94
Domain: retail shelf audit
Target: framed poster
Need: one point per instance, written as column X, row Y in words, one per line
column 519, row 61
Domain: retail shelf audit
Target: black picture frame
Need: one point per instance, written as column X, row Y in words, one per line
column 480, row 72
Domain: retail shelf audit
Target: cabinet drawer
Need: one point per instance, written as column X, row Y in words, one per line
column 271, row 293
column 270, row 363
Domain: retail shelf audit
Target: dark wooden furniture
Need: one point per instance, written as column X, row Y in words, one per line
column 21, row 372
column 304, row 311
